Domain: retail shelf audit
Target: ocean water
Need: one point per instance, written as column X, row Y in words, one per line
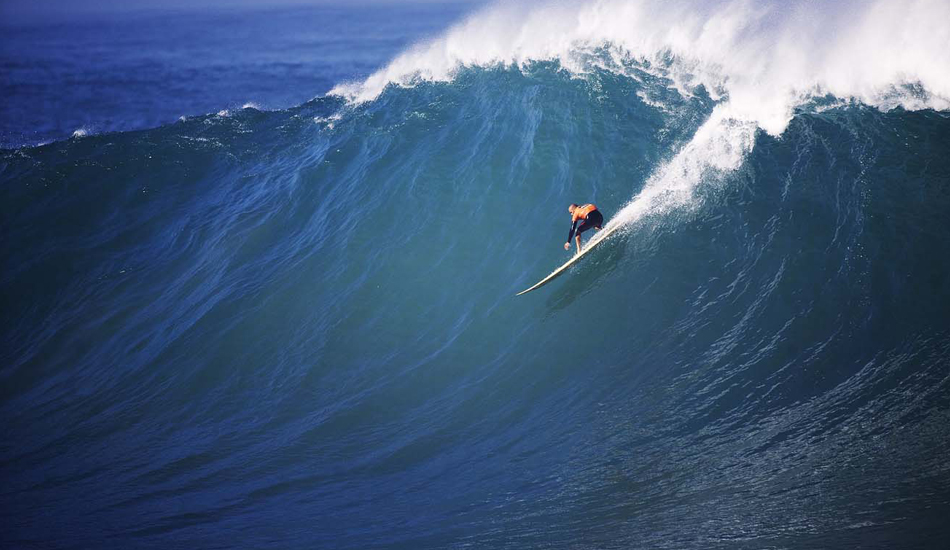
column 295, row 327
column 95, row 71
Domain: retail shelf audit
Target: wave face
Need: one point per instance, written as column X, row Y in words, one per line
column 297, row 328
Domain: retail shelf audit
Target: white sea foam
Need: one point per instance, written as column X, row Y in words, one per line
column 330, row 121
column 766, row 57
column 717, row 148
column 81, row 132
column 760, row 60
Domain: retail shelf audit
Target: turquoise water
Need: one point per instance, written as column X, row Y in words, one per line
column 297, row 328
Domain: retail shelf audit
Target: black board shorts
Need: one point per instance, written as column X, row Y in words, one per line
column 594, row 219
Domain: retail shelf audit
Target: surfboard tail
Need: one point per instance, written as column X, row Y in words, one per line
column 557, row 272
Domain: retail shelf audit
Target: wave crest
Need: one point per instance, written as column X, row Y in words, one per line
column 766, row 59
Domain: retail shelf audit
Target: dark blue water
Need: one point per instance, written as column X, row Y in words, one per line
column 96, row 71
column 296, row 327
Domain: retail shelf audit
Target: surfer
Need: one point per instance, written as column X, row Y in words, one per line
column 588, row 216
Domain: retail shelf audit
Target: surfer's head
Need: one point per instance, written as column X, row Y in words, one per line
column 570, row 209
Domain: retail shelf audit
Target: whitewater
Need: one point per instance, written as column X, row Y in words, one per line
column 764, row 60
column 296, row 327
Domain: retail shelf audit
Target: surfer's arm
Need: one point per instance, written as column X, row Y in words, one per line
column 573, row 229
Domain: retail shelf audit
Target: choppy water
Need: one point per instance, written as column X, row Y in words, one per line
column 296, row 328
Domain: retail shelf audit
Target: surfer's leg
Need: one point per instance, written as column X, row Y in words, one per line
column 587, row 225
column 598, row 219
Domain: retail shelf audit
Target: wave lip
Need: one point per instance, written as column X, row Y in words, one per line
column 759, row 61
column 764, row 58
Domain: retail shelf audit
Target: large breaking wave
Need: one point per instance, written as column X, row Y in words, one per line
column 296, row 328
column 763, row 60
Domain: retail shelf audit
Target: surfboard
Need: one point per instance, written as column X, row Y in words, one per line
column 598, row 238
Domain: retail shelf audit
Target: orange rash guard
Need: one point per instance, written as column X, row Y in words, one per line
column 580, row 213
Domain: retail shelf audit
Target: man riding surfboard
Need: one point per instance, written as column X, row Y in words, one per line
column 588, row 216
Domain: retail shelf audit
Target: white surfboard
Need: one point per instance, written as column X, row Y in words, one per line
column 598, row 238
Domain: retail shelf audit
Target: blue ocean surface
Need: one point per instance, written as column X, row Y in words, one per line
column 266, row 299
column 99, row 71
